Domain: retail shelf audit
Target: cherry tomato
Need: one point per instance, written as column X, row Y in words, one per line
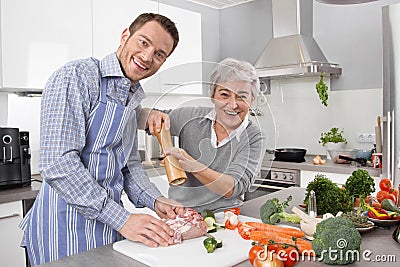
column 229, row 226
column 253, row 252
column 385, row 184
column 234, row 210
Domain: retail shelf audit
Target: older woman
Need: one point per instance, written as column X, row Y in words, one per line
column 220, row 148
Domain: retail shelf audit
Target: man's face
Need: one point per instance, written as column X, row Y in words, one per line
column 143, row 53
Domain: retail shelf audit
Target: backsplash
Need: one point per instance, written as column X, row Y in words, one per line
column 300, row 117
column 293, row 114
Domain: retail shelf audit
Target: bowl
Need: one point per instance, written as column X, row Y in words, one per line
column 364, row 153
column 351, row 153
column 384, row 223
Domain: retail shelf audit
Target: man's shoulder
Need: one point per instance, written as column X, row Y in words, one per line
column 87, row 64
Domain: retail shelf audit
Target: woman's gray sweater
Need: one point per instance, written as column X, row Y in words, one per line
column 239, row 159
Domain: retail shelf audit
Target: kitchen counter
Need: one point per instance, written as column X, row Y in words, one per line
column 377, row 243
column 28, row 193
column 329, row 166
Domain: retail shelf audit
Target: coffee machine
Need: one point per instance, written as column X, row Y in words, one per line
column 15, row 167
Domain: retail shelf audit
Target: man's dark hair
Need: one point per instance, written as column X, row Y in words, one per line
column 165, row 23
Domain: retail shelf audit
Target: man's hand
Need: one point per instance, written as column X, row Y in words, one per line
column 148, row 230
column 168, row 208
column 150, row 118
column 188, row 163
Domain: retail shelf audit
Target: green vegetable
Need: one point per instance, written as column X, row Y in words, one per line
column 336, row 241
column 388, row 204
column 210, row 244
column 209, row 219
column 358, row 220
column 333, row 135
column 330, row 198
column 207, row 213
column 272, row 212
column 360, row 184
column 322, row 90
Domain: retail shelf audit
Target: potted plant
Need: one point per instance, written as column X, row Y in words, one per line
column 333, row 140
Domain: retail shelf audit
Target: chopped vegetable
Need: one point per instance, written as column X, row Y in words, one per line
column 231, row 218
column 233, row 210
column 336, row 234
column 209, row 219
column 322, row 90
column 272, row 212
column 210, row 244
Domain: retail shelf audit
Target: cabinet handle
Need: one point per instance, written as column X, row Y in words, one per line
column 10, row 216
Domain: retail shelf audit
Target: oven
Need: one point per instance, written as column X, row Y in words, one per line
column 272, row 180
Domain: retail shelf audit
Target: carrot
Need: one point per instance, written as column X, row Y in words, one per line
column 275, row 228
column 302, row 245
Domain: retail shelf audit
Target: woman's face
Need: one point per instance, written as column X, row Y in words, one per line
column 232, row 101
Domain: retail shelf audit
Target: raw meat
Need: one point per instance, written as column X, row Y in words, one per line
column 187, row 226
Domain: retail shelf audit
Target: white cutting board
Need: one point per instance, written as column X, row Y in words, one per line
column 192, row 252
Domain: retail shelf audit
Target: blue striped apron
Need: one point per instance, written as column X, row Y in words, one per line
column 54, row 229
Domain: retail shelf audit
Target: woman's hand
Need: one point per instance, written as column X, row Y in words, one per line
column 148, row 230
column 168, row 208
column 152, row 119
column 188, row 163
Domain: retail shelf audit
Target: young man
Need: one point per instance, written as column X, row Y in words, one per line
column 89, row 151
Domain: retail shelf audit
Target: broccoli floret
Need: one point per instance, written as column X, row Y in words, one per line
column 272, row 212
column 337, row 241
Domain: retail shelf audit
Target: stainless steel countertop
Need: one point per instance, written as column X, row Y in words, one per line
column 379, row 242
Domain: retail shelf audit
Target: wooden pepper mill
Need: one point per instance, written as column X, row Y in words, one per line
column 176, row 175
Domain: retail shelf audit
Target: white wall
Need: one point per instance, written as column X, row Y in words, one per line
column 24, row 113
column 3, row 109
column 300, row 117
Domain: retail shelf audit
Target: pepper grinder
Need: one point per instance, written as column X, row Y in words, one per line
column 312, row 205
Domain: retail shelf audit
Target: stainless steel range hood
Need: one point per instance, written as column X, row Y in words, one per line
column 293, row 52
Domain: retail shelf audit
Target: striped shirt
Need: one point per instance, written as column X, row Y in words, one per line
column 70, row 96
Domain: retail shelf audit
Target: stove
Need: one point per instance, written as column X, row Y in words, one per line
column 272, row 180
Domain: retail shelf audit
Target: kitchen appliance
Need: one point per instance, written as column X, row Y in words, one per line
column 272, row 180
column 15, row 169
column 391, row 89
column 293, row 52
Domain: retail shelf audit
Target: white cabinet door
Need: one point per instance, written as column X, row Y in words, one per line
column 40, row 36
column 110, row 18
column 182, row 72
column 10, row 216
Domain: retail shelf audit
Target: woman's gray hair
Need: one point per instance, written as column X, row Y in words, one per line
column 231, row 69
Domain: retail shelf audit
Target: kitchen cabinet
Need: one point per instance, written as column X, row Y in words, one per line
column 10, row 216
column 182, row 71
column 46, row 35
